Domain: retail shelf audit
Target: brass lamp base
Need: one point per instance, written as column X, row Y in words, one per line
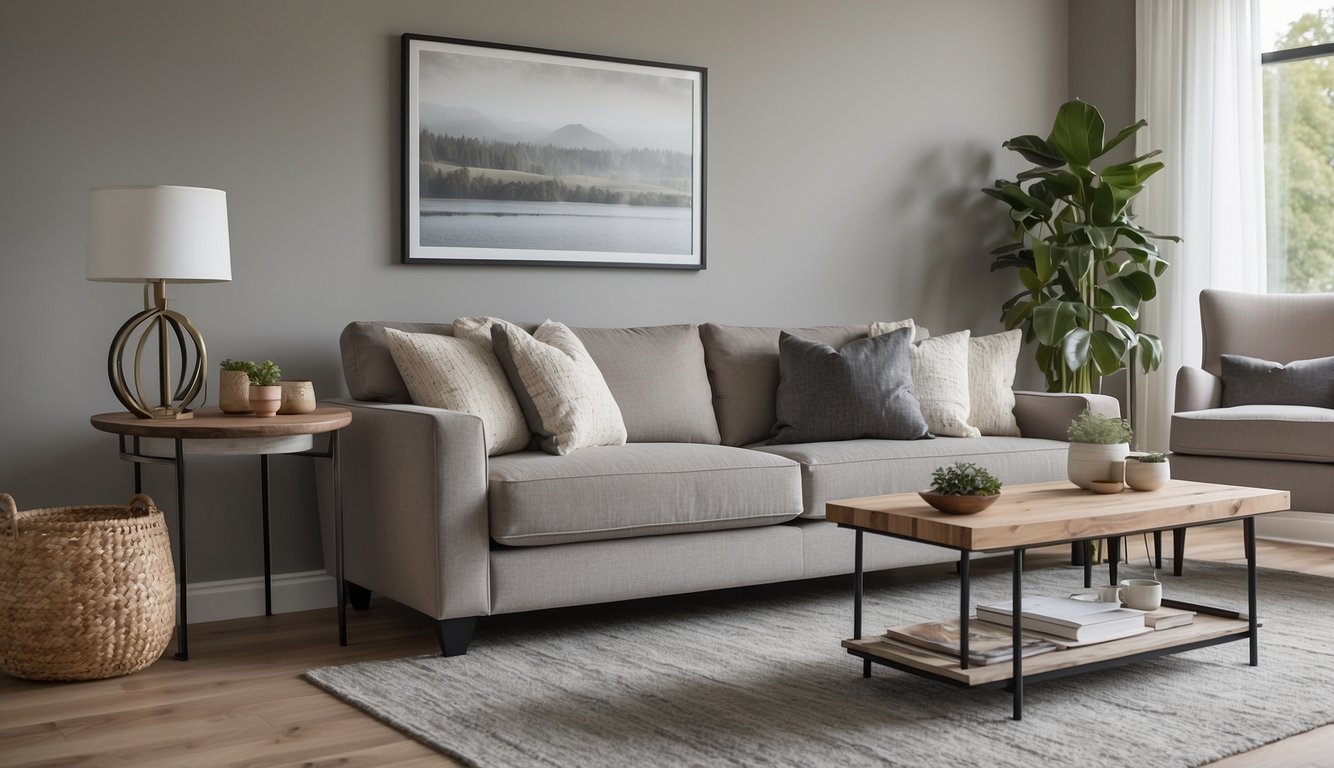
column 167, row 323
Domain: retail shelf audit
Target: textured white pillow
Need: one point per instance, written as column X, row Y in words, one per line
column 560, row 389
column 939, row 378
column 991, row 364
column 460, row 375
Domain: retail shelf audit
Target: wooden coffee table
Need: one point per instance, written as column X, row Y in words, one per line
column 1040, row 515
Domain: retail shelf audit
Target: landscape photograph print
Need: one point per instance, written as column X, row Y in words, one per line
column 525, row 156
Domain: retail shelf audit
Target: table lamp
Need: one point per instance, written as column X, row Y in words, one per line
column 156, row 234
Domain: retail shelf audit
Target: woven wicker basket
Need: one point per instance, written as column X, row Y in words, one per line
column 85, row 592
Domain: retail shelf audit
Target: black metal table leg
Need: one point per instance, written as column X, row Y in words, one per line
column 1113, row 558
column 1248, row 527
column 338, row 539
column 268, row 532
column 1158, row 550
column 1088, row 562
column 857, row 599
column 182, row 578
column 965, row 601
column 138, row 470
column 1016, row 633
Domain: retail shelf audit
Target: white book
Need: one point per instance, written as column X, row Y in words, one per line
column 1064, row 611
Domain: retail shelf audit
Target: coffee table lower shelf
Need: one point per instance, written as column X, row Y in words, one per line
column 1205, row 631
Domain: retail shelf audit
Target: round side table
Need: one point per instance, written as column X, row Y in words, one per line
column 211, row 431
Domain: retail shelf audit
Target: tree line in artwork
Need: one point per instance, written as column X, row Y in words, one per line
column 619, row 170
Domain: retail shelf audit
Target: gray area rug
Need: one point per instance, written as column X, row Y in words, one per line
column 756, row 677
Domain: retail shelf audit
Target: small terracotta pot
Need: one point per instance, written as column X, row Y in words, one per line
column 264, row 401
column 298, row 396
column 234, row 391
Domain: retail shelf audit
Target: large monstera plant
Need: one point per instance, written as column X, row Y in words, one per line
column 1086, row 267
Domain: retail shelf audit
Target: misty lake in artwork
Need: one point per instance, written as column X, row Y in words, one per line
column 555, row 226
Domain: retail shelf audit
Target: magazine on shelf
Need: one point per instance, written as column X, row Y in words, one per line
column 987, row 643
column 1067, row 618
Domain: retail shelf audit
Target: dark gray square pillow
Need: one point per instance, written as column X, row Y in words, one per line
column 1252, row 381
column 863, row 390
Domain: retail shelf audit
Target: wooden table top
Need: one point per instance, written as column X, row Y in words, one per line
column 210, row 423
column 1055, row 512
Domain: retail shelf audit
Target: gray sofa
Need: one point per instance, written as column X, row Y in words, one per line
column 694, row 501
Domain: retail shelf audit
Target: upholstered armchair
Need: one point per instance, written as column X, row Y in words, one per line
column 1265, row 419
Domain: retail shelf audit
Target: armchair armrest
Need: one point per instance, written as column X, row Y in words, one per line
column 415, row 522
column 1048, row 414
column 1197, row 390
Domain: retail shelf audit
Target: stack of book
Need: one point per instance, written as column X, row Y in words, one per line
column 1079, row 621
column 987, row 643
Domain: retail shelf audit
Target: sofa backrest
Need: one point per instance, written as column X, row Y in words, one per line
column 656, row 374
column 1276, row 326
column 742, row 363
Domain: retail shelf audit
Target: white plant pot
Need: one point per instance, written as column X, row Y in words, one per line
column 1147, row 476
column 1088, row 462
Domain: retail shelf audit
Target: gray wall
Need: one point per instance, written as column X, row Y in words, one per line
column 847, row 142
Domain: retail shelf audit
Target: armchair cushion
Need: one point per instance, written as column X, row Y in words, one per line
column 1281, row 432
column 1252, row 381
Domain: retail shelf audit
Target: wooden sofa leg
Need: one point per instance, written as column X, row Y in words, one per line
column 358, row 596
column 454, row 635
column 1178, row 550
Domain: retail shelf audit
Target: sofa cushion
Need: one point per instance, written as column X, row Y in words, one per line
column 637, row 489
column 854, row 468
column 1280, row 432
column 992, row 360
column 863, row 389
column 742, row 363
column 368, row 366
column 658, row 378
column 564, row 398
column 459, row 375
column 1252, row 381
column 939, row 380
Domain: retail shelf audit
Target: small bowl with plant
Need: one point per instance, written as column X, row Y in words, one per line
column 265, row 394
column 1098, row 448
column 962, row 488
column 1147, row 471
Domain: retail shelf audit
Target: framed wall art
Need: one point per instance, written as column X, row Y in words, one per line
column 525, row 156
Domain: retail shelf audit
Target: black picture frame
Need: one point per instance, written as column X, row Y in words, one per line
column 524, row 156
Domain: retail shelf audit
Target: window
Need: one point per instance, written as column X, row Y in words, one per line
column 1298, row 72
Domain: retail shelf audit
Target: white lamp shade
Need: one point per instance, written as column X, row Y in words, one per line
column 145, row 233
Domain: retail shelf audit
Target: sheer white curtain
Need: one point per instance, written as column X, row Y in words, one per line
column 1197, row 83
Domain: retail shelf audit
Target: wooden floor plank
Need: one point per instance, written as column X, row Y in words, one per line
column 240, row 700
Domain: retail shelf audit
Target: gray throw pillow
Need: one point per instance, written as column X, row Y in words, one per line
column 1252, row 381
column 863, row 390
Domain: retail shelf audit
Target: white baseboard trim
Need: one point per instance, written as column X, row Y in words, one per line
column 238, row 598
column 1295, row 527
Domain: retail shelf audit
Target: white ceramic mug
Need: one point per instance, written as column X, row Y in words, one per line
column 1142, row 594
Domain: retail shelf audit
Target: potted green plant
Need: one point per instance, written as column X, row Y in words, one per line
column 1087, row 268
column 962, row 488
column 1147, row 471
column 1098, row 449
column 265, row 394
column 234, row 386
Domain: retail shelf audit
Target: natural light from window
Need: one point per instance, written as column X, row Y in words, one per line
column 1299, row 144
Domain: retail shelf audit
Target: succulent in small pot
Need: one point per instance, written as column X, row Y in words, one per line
column 234, row 386
column 962, row 488
column 1147, row 471
column 1098, row 449
column 265, row 394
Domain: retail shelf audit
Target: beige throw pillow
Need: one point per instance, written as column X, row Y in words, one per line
column 560, row 388
column 460, row 375
column 991, row 365
column 939, row 379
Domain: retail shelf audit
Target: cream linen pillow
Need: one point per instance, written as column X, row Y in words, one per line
column 991, row 365
column 460, row 375
column 560, row 388
column 939, row 379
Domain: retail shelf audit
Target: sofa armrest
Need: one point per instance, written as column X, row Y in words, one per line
column 1197, row 390
column 415, row 523
column 1048, row 414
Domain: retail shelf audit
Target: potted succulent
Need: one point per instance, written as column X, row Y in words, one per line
column 265, row 394
column 962, row 488
column 234, row 386
column 1147, row 471
column 1086, row 267
column 1098, row 449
